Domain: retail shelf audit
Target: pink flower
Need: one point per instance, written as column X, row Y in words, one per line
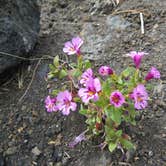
column 64, row 102
column 90, row 92
column 77, row 140
column 117, row 99
column 153, row 73
column 140, row 97
column 50, row 104
column 105, row 70
column 137, row 57
column 73, row 46
column 86, row 76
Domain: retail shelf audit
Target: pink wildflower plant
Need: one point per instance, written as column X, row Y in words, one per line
column 153, row 73
column 50, row 104
column 105, row 71
column 117, row 99
column 73, row 46
column 64, row 102
column 140, row 96
column 91, row 91
column 86, row 76
column 97, row 96
column 137, row 57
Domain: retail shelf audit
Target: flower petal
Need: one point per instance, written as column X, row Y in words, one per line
column 77, row 140
column 86, row 76
column 68, row 44
column 66, row 111
column 140, row 97
column 77, row 42
column 97, row 84
column 73, row 106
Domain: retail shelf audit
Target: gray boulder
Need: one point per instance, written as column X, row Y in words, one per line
column 19, row 27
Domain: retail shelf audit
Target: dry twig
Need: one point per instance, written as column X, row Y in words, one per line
column 124, row 163
column 133, row 11
column 27, row 59
column 29, row 85
column 142, row 23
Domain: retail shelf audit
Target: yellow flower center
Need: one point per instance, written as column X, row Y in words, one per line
column 71, row 49
column 91, row 93
column 139, row 99
column 115, row 99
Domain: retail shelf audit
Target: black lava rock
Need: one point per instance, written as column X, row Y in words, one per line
column 19, row 27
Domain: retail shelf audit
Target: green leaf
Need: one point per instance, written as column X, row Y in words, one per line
column 150, row 87
column 133, row 122
column 110, row 132
column 102, row 102
column 106, row 87
column 74, row 65
column 55, row 92
column 76, row 73
column 128, row 71
column 79, row 62
column 87, row 64
column 127, row 144
column 95, row 131
column 120, row 81
column 107, row 111
column 56, row 61
column 91, row 121
column 112, row 146
column 131, row 109
column 50, row 75
column 116, row 115
column 52, row 67
column 62, row 73
column 83, row 111
column 76, row 99
column 98, row 119
column 56, row 72
column 118, row 133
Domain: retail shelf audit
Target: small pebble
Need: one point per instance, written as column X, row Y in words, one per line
column 150, row 153
column 58, row 164
column 11, row 150
column 36, row 151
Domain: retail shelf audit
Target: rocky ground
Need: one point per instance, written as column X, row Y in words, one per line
column 31, row 136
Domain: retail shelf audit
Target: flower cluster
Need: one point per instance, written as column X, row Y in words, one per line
column 105, row 98
column 91, row 88
column 63, row 102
